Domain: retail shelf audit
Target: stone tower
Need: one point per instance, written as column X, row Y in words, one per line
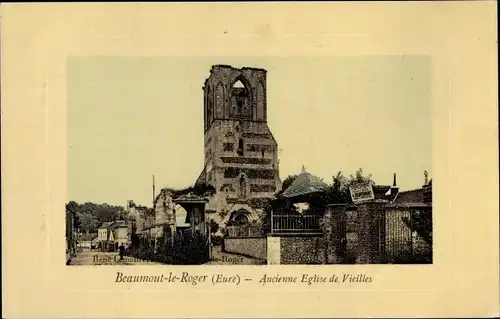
column 241, row 159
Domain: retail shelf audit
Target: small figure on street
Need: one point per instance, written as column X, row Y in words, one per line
column 122, row 251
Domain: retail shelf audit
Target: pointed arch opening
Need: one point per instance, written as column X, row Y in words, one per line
column 260, row 97
column 241, row 106
column 243, row 187
column 219, row 100
column 210, row 107
column 240, row 147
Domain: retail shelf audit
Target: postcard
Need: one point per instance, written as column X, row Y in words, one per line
column 250, row 160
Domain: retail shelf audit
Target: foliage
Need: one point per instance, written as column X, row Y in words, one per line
column 213, row 226
column 91, row 215
column 217, row 240
column 336, row 192
column 421, row 222
column 288, row 181
column 187, row 249
column 200, row 189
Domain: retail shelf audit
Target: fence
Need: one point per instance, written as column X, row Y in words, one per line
column 244, row 231
column 295, row 224
column 407, row 235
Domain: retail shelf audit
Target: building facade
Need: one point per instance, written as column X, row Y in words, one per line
column 113, row 234
column 241, row 154
column 70, row 235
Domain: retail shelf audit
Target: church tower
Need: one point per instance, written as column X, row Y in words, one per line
column 241, row 159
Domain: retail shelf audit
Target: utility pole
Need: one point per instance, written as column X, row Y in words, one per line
column 153, row 189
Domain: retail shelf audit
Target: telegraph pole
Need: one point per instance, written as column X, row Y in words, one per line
column 153, row 189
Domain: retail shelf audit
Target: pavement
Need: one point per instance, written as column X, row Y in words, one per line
column 98, row 258
column 223, row 258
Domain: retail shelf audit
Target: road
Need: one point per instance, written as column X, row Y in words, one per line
column 223, row 258
column 96, row 258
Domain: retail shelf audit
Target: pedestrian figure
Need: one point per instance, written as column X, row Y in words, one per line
column 122, row 251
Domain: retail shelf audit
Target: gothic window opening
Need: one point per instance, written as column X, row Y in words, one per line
column 263, row 152
column 210, row 107
column 240, row 100
column 240, row 147
column 243, row 188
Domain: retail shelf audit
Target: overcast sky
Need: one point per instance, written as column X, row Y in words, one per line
column 132, row 117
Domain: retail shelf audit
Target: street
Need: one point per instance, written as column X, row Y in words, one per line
column 223, row 258
column 96, row 258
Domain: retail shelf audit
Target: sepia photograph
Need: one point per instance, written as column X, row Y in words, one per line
column 260, row 161
column 250, row 160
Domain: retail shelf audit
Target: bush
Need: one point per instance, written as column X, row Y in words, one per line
column 217, row 240
column 187, row 249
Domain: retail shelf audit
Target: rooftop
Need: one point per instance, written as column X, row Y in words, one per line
column 304, row 184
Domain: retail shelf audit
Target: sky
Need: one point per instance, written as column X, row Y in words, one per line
column 132, row 117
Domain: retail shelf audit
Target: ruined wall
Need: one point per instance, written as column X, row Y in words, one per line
column 164, row 208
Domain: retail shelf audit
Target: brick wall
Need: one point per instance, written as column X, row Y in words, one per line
column 249, row 246
column 370, row 225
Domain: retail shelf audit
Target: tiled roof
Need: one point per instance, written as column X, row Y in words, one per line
column 106, row 224
column 85, row 237
column 409, row 197
column 113, row 224
column 304, row 184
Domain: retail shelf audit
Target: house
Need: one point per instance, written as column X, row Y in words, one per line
column 85, row 240
column 94, row 243
column 112, row 234
column 70, row 235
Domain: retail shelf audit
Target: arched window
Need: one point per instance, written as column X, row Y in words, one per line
column 210, row 107
column 240, row 100
column 243, row 188
column 240, row 220
column 219, row 101
column 240, row 147
column 261, row 102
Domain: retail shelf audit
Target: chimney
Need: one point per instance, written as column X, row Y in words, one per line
column 426, row 177
column 394, row 180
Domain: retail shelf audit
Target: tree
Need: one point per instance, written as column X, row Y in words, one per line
column 288, row 181
column 89, row 216
column 335, row 193
column 88, row 222
column 213, row 226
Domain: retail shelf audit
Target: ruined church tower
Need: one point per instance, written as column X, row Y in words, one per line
column 241, row 159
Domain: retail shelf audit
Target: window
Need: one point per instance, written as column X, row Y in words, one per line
column 240, row 220
column 240, row 147
column 228, row 147
column 240, row 100
column 243, row 188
